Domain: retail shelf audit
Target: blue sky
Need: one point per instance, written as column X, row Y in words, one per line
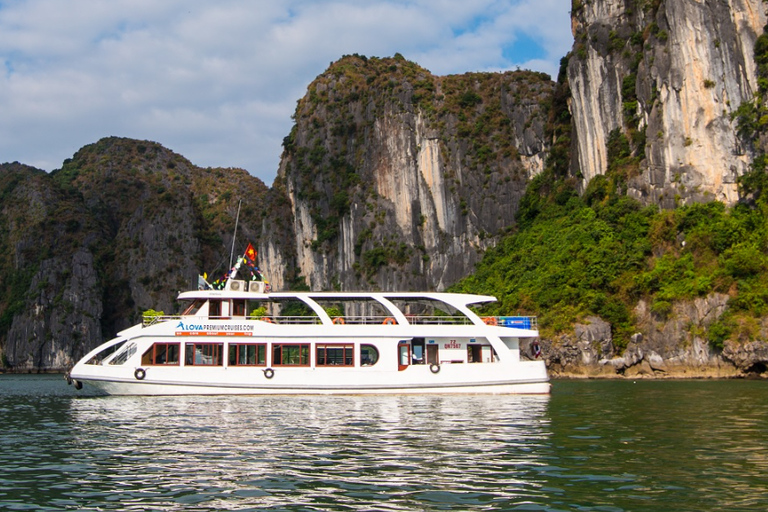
column 217, row 82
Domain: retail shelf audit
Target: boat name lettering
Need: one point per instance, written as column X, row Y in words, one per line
column 223, row 327
column 453, row 344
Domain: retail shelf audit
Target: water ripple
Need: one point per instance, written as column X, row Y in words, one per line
column 607, row 446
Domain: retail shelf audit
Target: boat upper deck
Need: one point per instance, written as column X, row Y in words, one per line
column 237, row 301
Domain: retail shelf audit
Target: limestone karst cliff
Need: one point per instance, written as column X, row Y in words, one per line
column 398, row 179
column 121, row 228
column 666, row 74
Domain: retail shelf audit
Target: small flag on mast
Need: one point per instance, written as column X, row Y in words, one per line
column 250, row 252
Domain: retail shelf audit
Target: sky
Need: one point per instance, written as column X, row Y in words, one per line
column 217, row 82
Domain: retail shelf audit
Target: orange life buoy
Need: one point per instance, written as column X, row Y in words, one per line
column 490, row 320
column 339, row 320
column 267, row 319
column 389, row 321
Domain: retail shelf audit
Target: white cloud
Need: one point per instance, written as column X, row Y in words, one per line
column 218, row 82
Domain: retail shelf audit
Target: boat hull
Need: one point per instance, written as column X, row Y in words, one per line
column 529, row 377
column 160, row 389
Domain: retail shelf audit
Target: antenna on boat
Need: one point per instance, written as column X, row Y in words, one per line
column 234, row 235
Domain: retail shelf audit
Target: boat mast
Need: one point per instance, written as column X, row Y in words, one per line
column 234, row 235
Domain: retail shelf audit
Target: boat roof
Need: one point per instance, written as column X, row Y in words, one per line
column 462, row 299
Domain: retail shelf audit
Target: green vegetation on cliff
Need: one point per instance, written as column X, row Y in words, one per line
column 600, row 255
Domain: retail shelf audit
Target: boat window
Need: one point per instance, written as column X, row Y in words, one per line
column 193, row 308
column 290, row 355
column 104, row 354
column 335, row 355
column 369, row 355
column 203, row 354
column 238, row 307
column 124, row 354
column 247, row 354
column 403, row 355
column 417, row 351
column 161, row 353
column 214, row 308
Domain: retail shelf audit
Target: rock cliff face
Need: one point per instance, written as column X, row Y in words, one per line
column 398, row 179
column 672, row 346
column 120, row 229
column 51, row 305
column 667, row 74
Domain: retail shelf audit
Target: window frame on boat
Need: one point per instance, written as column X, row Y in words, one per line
column 347, row 356
column 237, row 307
column 124, row 354
column 364, row 347
column 215, row 308
column 105, row 354
column 304, row 357
column 148, row 359
column 194, row 307
column 259, row 348
column 217, row 360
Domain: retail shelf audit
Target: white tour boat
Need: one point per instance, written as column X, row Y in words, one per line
column 246, row 339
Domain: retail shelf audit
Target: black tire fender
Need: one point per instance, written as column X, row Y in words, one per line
column 269, row 373
column 434, row 368
column 140, row 373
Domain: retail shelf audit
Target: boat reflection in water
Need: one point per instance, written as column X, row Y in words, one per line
column 325, row 451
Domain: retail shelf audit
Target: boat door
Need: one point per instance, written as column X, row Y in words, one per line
column 474, row 354
column 403, row 355
column 432, row 357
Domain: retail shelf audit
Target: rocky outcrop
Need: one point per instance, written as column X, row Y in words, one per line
column 750, row 355
column 590, row 344
column 668, row 74
column 670, row 346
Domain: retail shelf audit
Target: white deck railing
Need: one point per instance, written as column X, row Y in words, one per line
column 522, row 322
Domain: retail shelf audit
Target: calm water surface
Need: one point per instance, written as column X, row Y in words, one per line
column 591, row 446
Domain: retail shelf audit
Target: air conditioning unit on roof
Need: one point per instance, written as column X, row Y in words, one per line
column 237, row 286
column 256, row 286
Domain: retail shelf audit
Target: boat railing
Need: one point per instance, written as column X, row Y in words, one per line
column 148, row 320
column 438, row 320
column 290, row 320
column 412, row 319
column 520, row 322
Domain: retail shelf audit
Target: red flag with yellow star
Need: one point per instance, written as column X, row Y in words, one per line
column 250, row 253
